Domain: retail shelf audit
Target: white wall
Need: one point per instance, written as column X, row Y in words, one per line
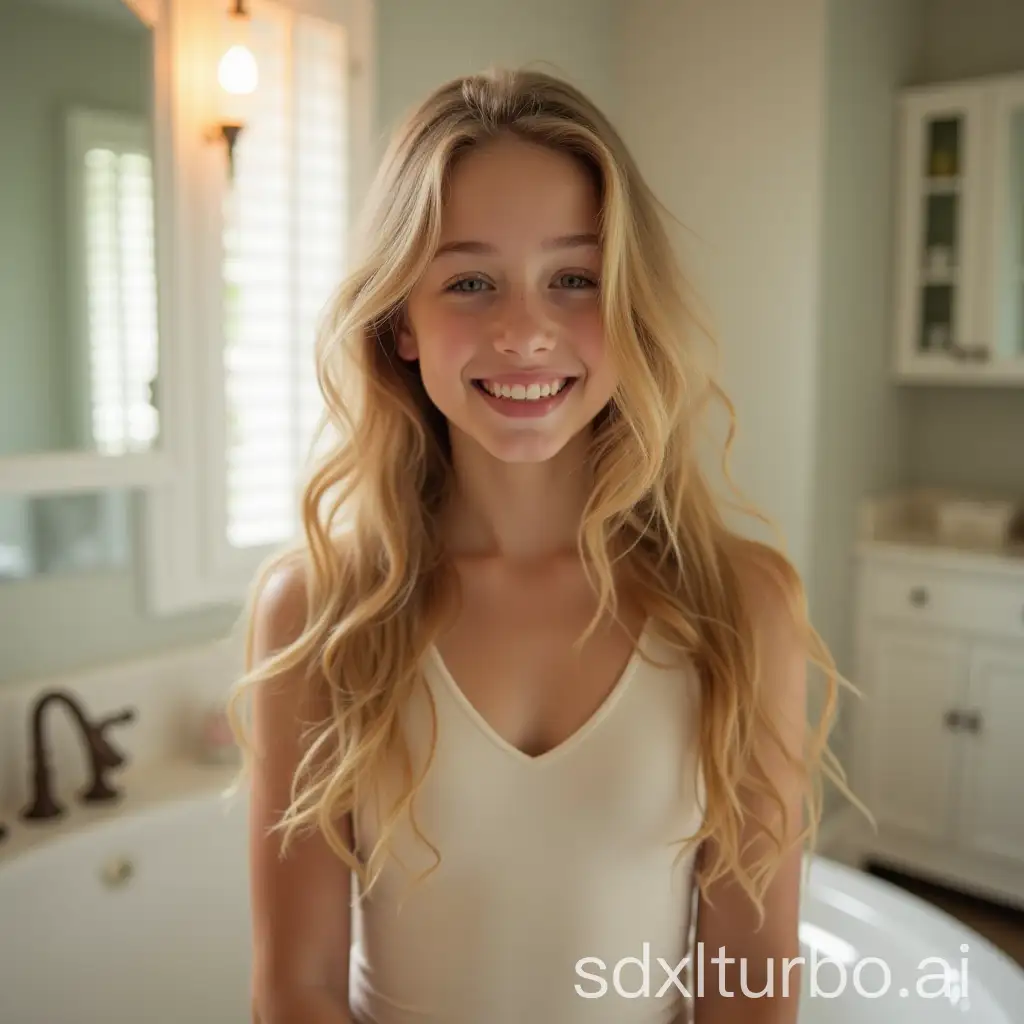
column 422, row 43
column 872, row 52
column 731, row 138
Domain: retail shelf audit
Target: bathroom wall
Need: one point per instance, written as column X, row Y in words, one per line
column 423, row 44
column 55, row 625
column 732, row 142
column 873, row 49
column 968, row 438
column 772, row 153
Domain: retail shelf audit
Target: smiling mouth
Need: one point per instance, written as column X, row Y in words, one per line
column 534, row 392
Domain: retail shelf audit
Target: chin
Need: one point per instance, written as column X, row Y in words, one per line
column 522, row 449
column 522, row 440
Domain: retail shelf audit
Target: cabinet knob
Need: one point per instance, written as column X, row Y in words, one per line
column 972, row 722
column 953, row 720
column 919, row 597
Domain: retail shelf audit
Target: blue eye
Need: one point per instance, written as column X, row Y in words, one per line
column 459, row 286
column 576, row 281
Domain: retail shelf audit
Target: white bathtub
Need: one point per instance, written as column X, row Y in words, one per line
column 167, row 942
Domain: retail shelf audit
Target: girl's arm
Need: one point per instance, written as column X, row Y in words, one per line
column 732, row 922
column 300, row 904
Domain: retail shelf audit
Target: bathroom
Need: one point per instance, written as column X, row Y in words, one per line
column 848, row 181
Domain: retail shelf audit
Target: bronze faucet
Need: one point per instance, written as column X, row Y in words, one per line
column 103, row 756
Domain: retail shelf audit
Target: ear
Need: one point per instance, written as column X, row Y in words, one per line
column 405, row 339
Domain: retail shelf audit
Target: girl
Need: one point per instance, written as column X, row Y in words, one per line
column 528, row 720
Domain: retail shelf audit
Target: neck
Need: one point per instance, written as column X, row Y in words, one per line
column 519, row 511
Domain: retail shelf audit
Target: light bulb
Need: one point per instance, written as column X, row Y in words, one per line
column 237, row 71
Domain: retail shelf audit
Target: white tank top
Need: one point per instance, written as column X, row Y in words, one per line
column 556, row 881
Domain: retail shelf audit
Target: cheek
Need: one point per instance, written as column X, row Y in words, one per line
column 447, row 342
column 588, row 341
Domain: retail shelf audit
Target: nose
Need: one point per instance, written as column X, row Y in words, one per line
column 522, row 331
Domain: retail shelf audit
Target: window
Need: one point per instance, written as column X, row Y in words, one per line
column 255, row 258
column 285, row 234
column 113, row 280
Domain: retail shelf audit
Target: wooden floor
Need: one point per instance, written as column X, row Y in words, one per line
column 1002, row 926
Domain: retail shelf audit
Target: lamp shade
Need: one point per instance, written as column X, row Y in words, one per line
column 237, row 70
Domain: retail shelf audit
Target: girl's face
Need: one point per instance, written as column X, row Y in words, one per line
column 506, row 323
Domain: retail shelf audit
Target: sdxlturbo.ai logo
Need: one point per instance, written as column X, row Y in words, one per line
column 871, row 977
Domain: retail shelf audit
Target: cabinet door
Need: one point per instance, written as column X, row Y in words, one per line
column 942, row 225
column 1004, row 293
column 992, row 813
column 910, row 753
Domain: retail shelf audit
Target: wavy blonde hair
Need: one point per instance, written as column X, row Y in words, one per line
column 377, row 579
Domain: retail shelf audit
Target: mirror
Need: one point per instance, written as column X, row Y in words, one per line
column 78, row 296
column 62, row 534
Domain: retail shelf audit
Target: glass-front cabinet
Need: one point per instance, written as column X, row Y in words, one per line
column 1006, row 297
column 960, row 244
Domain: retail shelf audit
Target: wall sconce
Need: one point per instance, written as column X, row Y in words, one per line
column 238, row 77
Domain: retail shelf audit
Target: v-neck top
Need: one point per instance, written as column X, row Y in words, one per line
column 559, row 874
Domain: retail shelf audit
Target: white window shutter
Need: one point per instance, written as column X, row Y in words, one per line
column 253, row 265
column 114, row 281
column 285, row 238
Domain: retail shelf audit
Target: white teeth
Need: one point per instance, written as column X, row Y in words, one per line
column 524, row 392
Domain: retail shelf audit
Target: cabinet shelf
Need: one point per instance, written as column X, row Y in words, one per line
column 959, row 235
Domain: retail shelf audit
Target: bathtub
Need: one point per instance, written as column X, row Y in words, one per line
column 140, row 914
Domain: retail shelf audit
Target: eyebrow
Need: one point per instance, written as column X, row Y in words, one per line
column 550, row 244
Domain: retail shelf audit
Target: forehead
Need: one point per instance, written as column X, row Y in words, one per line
column 512, row 189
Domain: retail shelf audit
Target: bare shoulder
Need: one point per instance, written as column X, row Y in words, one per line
column 291, row 692
column 775, row 608
column 773, row 596
column 279, row 606
column 278, row 619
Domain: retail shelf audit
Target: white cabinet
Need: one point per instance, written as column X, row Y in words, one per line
column 916, row 680
column 992, row 799
column 959, row 303
column 938, row 741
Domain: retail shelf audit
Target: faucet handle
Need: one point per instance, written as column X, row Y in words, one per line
column 122, row 717
column 105, row 756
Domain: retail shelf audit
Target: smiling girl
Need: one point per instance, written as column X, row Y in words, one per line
column 523, row 707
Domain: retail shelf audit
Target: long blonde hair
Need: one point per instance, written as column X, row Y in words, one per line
column 376, row 575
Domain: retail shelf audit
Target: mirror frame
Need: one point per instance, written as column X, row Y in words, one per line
column 65, row 472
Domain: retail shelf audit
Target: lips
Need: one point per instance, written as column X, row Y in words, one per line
column 524, row 397
column 523, row 390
